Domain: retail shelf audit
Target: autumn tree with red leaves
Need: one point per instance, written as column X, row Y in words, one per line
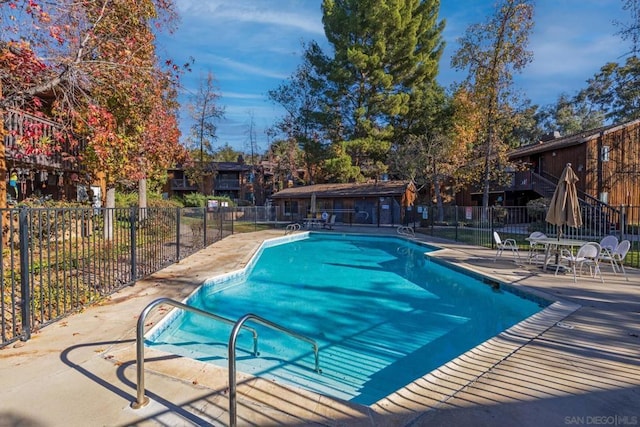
column 92, row 66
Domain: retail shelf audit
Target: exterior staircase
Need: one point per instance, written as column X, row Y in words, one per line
column 595, row 213
column 545, row 187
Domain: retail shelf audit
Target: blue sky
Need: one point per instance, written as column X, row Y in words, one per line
column 253, row 46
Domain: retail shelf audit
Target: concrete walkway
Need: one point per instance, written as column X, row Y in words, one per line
column 576, row 365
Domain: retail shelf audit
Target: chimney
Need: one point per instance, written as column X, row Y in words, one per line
column 550, row 136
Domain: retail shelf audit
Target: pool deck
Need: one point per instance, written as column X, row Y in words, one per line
column 576, row 364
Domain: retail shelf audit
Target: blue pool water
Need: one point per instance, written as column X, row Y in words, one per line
column 382, row 313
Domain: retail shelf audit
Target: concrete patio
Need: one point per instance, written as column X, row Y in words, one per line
column 582, row 368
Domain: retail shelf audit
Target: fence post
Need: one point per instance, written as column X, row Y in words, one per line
column 177, row 235
column 455, row 209
column 491, row 227
column 25, row 289
column 204, row 227
column 132, row 231
column 431, row 220
column 220, row 220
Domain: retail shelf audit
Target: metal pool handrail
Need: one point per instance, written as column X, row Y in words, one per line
column 232, row 356
column 141, row 399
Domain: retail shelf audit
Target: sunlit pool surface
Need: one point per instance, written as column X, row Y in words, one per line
column 382, row 313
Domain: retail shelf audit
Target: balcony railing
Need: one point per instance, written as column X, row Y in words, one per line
column 36, row 140
column 182, row 184
column 227, row 184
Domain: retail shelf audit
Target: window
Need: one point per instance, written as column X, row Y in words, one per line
column 604, row 197
column 290, row 208
column 604, row 153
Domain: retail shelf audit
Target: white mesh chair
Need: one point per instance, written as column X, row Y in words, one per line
column 501, row 245
column 608, row 244
column 330, row 223
column 616, row 257
column 535, row 249
column 588, row 254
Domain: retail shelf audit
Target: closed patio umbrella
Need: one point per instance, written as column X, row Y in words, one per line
column 565, row 208
column 313, row 204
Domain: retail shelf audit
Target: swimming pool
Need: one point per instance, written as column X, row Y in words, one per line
column 382, row 313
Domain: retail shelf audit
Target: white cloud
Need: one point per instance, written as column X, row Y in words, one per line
column 237, row 95
column 571, row 40
column 246, row 68
column 252, row 46
column 570, row 45
column 274, row 13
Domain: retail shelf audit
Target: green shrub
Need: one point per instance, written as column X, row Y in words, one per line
column 126, row 200
column 195, row 200
column 537, row 208
column 200, row 200
column 154, row 200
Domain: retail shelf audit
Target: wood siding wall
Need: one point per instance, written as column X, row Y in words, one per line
column 619, row 176
column 554, row 162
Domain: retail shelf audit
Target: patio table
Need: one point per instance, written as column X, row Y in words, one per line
column 553, row 242
column 312, row 222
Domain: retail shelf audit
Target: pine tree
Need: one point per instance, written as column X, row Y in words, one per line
column 382, row 51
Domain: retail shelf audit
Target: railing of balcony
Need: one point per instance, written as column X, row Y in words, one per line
column 227, row 184
column 32, row 139
column 182, row 184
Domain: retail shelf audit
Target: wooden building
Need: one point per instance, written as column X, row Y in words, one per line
column 234, row 180
column 375, row 203
column 606, row 161
column 34, row 168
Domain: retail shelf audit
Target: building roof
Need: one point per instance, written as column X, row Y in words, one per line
column 229, row 166
column 375, row 189
column 567, row 141
column 220, row 167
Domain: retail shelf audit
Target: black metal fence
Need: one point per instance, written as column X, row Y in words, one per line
column 475, row 225
column 54, row 261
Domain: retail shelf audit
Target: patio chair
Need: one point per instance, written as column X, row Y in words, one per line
column 608, row 244
column 501, row 245
column 535, row 249
column 329, row 224
column 588, row 254
column 616, row 257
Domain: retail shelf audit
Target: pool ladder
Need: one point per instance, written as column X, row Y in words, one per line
column 142, row 400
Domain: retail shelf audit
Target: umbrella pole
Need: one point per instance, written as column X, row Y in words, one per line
column 557, row 252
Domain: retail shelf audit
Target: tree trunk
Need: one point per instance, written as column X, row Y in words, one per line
column 109, row 213
column 438, row 193
column 486, row 174
column 142, row 199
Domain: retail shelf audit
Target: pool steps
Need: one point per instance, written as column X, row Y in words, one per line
column 142, row 400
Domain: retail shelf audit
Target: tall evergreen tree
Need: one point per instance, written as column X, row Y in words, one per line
column 307, row 118
column 382, row 52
